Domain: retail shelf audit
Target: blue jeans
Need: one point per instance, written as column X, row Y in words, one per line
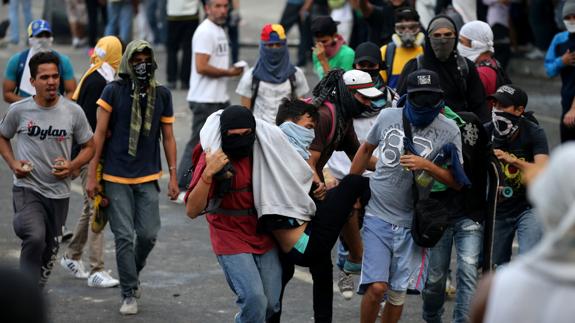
column 468, row 236
column 156, row 15
column 134, row 215
column 529, row 232
column 15, row 18
column 257, row 282
column 120, row 20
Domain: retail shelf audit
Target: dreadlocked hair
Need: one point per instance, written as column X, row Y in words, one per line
column 333, row 89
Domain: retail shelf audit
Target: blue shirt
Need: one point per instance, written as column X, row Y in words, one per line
column 11, row 72
column 554, row 66
column 119, row 166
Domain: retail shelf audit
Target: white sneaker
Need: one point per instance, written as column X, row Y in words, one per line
column 102, row 279
column 129, row 306
column 74, row 267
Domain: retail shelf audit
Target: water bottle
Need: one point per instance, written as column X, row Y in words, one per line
column 424, row 179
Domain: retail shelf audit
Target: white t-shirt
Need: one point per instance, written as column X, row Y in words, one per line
column 210, row 39
column 270, row 95
column 339, row 164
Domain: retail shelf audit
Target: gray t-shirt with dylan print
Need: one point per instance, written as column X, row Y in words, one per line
column 391, row 185
column 42, row 135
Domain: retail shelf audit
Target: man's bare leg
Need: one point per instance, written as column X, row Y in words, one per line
column 391, row 313
column 370, row 302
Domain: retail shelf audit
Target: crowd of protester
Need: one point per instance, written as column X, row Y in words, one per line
column 414, row 142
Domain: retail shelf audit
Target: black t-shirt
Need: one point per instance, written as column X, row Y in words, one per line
column 530, row 141
column 90, row 92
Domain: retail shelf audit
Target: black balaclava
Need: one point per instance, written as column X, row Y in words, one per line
column 237, row 117
column 445, row 47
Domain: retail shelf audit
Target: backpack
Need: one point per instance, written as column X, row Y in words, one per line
column 502, row 76
column 22, row 65
column 256, row 86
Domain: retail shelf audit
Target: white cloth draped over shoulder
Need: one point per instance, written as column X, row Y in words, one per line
column 281, row 179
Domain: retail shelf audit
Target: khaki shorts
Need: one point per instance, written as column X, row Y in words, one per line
column 76, row 11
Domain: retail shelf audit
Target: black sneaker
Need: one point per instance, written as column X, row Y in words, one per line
column 3, row 28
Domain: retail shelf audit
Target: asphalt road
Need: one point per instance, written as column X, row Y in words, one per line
column 183, row 281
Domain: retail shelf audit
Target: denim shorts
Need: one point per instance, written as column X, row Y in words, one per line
column 390, row 255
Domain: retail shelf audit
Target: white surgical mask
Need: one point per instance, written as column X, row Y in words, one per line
column 570, row 25
column 42, row 44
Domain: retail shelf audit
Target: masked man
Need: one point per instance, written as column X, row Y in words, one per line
column 330, row 51
column 222, row 186
column 390, row 269
column 476, row 44
column 16, row 85
column 406, row 44
column 137, row 111
column 560, row 60
column 460, row 82
column 274, row 77
column 518, row 143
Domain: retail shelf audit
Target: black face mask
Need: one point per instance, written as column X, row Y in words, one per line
column 374, row 73
column 143, row 71
column 425, row 99
column 505, row 125
column 238, row 146
column 357, row 109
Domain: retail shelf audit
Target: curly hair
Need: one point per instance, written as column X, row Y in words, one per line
column 333, row 89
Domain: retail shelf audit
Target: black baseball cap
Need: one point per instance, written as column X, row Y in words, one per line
column 369, row 52
column 406, row 13
column 423, row 81
column 509, row 95
column 324, row 25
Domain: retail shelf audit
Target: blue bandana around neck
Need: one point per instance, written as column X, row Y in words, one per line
column 300, row 137
column 273, row 65
column 421, row 117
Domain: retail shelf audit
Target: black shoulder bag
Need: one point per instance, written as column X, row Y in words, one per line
column 431, row 218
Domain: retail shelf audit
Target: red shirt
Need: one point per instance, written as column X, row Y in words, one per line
column 233, row 234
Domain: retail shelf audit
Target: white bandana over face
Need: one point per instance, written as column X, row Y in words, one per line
column 481, row 37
